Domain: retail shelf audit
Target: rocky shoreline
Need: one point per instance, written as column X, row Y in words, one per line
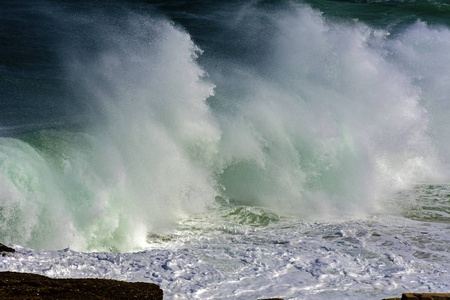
column 15, row 285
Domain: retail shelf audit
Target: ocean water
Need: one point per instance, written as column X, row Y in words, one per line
column 228, row 149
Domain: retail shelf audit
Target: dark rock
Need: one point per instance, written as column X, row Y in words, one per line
column 422, row 296
column 15, row 285
column 4, row 248
column 426, row 296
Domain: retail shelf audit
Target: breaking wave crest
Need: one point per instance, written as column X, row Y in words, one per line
column 330, row 122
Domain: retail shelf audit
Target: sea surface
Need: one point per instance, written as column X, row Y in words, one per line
column 228, row 149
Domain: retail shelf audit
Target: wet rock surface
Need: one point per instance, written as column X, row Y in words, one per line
column 15, row 285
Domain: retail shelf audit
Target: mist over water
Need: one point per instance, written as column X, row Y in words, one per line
column 145, row 160
column 313, row 118
column 328, row 123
